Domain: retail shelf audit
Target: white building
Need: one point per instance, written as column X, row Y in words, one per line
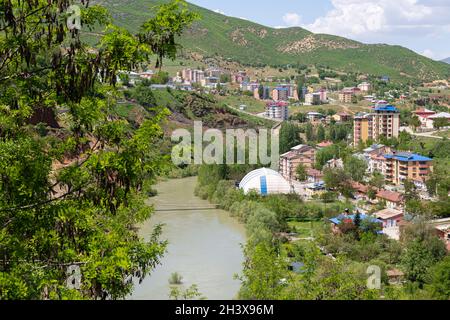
column 265, row 181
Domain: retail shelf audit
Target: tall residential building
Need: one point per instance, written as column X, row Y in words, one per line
column 346, row 96
column 280, row 94
column 192, row 76
column 384, row 121
column 277, row 110
column 401, row 166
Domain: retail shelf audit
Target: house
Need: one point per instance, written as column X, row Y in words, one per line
column 394, row 200
column 442, row 229
column 315, row 189
column 360, row 190
column 423, row 114
column 146, row 74
column 342, row 117
column 365, row 87
column 299, row 155
column 314, row 175
column 314, row 117
column 335, row 164
column 395, row 276
column 441, row 115
column 389, row 217
column 347, row 218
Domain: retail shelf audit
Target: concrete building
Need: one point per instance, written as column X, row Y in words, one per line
column 301, row 154
column 277, row 110
column 423, row 114
column 280, row 94
column 384, row 121
column 401, row 166
column 193, row 76
column 441, row 115
column 312, row 99
column 346, row 96
column 315, row 117
column 365, row 87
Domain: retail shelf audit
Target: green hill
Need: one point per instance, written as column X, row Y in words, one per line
column 246, row 42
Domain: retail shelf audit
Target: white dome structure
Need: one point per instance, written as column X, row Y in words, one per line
column 265, row 181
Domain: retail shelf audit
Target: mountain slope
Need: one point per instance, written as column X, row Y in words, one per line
column 446, row 60
column 250, row 43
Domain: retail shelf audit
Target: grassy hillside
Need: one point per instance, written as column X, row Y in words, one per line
column 240, row 40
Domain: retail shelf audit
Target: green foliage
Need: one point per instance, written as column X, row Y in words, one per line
column 355, row 168
column 440, row 279
column 289, row 136
column 300, row 173
column 72, row 195
column 191, row 293
column 160, row 31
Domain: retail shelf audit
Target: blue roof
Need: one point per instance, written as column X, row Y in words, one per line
column 281, row 89
column 386, row 108
column 407, row 157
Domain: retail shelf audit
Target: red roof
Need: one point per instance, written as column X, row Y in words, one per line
column 360, row 187
column 314, row 173
column 325, row 144
column 390, row 196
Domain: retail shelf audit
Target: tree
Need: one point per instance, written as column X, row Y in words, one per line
column 262, row 274
column 58, row 218
column 338, row 179
column 300, row 173
column 440, row 279
column 309, row 131
column 414, row 122
column 320, row 133
column 440, row 123
column 160, row 32
column 377, row 180
column 289, row 136
column 355, row 168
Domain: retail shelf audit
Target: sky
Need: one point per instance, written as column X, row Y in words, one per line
column 420, row 25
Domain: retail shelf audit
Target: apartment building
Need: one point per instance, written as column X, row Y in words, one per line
column 280, row 94
column 365, row 87
column 384, row 121
column 401, row 166
column 312, row 99
column 346, row 96
column 192, row 76
column 277, row 110
column 301, row 154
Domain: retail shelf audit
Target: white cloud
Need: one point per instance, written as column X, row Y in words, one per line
column 219, row 11
column 362, row 18
column 429, row 54
column 292, row 19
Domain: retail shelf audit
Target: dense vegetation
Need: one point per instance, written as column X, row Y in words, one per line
column 73, row 173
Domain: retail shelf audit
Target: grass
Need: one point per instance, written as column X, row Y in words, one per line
column 303, row 229
column 253, row 106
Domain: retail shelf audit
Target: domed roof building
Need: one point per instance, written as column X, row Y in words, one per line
column 265, row 181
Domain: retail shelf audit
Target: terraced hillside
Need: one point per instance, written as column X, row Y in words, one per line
column 250, row 43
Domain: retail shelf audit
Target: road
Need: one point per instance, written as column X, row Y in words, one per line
column 430, row 134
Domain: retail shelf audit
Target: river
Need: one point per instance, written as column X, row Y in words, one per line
column 204, row 245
